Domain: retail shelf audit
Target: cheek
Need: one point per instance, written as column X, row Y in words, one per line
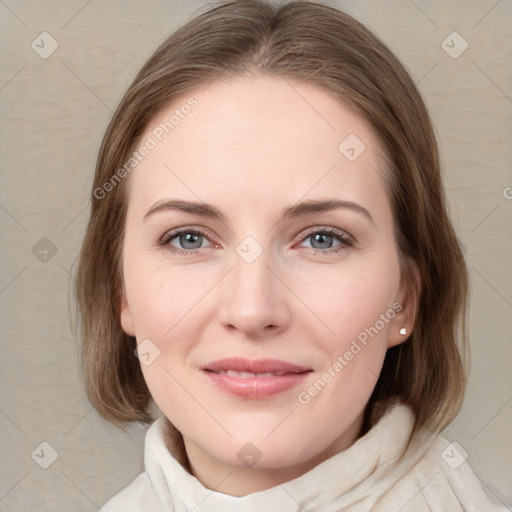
column 160, row 296
column 351, row 299
column 357, row 308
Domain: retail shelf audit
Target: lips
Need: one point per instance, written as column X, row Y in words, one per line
column 255, row 379
column 247, row 375
column 254, row 367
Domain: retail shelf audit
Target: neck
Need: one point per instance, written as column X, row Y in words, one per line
column 175, row 445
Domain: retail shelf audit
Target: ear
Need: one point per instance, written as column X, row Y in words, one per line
column 125, row 314
column 406, row 307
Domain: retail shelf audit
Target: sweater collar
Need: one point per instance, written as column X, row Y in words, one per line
column 343, row 479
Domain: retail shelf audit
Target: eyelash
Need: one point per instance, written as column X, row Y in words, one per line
column 346, row 241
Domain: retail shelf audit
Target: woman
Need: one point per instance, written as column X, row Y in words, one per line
column 290, row 375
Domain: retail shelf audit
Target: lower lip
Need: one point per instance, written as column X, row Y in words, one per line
column 256, row 387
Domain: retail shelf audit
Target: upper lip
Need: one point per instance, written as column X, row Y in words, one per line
column 254, row 366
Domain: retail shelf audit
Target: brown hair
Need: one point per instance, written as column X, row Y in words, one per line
column 310, row 42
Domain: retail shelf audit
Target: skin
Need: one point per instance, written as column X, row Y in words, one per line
column 252, row 147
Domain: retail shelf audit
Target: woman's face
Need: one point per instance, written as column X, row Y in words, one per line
column 301, row 306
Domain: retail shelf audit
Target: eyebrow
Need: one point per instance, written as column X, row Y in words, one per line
column 290, row 212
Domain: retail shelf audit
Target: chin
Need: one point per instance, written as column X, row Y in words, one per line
column 254, row 451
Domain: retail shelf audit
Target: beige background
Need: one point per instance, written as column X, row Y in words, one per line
column 54, row 111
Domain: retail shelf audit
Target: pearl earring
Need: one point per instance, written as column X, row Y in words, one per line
column 403, row 331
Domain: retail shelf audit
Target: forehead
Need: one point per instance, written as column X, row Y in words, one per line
column 258, row 140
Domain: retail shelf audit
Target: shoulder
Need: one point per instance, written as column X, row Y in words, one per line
column 139, row 496
column 439, row 479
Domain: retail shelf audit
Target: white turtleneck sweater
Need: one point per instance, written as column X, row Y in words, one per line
column 369, row 476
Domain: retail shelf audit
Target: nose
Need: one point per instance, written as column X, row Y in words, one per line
column 254, row 298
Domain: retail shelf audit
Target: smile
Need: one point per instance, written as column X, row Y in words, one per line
column 254, row 379
column 248, row 375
